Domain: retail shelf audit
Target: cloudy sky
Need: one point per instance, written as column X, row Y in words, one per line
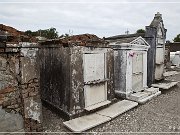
column 100, row 17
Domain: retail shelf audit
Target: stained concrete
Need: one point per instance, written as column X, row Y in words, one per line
column 117, row 108
column 170, row 73
column 146, row 95
column 152, row 90
column 10, row 122
column 144, row 100
column 138, row 96
column 161, row 114
column 89, row 121
column 93, row 107
column 166, row 84
column 86, row 122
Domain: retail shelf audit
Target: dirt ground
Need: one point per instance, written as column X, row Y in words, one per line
column 161, row 115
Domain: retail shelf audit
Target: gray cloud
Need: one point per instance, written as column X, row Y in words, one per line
column 100, row 17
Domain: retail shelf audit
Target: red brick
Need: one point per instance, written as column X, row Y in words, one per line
column 6, row 103
column 1, row 96
column 7, row 90
column 1, row 101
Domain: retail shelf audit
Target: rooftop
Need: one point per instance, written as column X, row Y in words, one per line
column 124, row 38
column 79, row 40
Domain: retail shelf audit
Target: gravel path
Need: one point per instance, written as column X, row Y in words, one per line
column 161, row 114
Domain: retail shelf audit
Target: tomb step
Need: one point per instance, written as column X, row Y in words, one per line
column 144, row 100
column 146, row 95
column 86, row 122
column 166, row 84
column 118, row 108
column 170, row 73
column 152, row 90
column 138, row 96
column 95, row 106
column 94, row 119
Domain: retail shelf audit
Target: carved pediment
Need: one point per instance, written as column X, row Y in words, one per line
column 139, row 41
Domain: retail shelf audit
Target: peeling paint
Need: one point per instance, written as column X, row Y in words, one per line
column 30, row 53
column 33, row 110
column 67, row 76
column 130, row 66
column 74, row 72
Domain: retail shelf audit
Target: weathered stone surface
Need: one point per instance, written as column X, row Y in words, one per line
column 2, row 63
column 13, row 106
column 93, row 107
column 138, row 96
column 118, row 108
column 32, row 125
column 8, row 81
column 170, row 73
column 167, row 84
column 24, row 87
column 56, row 61
column 1, row 96
column 6, row 103
column 152, row 90
column 32, row 108
column 19, row 80
column 33, row 93
column 25, row 95
column 86, row 122
column 144, row 100
column 1, row 101
column 7, row 90
column 28, row 64
column 150, row 37
column 146, row 95
column 10, row 122
column 89, row 121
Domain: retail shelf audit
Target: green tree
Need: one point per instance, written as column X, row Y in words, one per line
column 66, row 35
column 50, row 33
column 140, row 31
column 177, row 38
column 31, row 33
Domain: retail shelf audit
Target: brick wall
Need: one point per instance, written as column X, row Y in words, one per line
column 10, row 97
column 19, row 83
column 30, row 88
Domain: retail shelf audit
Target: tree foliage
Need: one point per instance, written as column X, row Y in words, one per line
column 50, row 33
column 140, row 31
column 177, row 38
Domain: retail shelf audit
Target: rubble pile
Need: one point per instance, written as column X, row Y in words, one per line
column 79, row 40
column 10, row 34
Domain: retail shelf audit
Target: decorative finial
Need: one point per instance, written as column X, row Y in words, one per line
column 127, row 32
column 158, row 15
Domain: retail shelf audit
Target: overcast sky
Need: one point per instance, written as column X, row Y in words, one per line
column 100, row 17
